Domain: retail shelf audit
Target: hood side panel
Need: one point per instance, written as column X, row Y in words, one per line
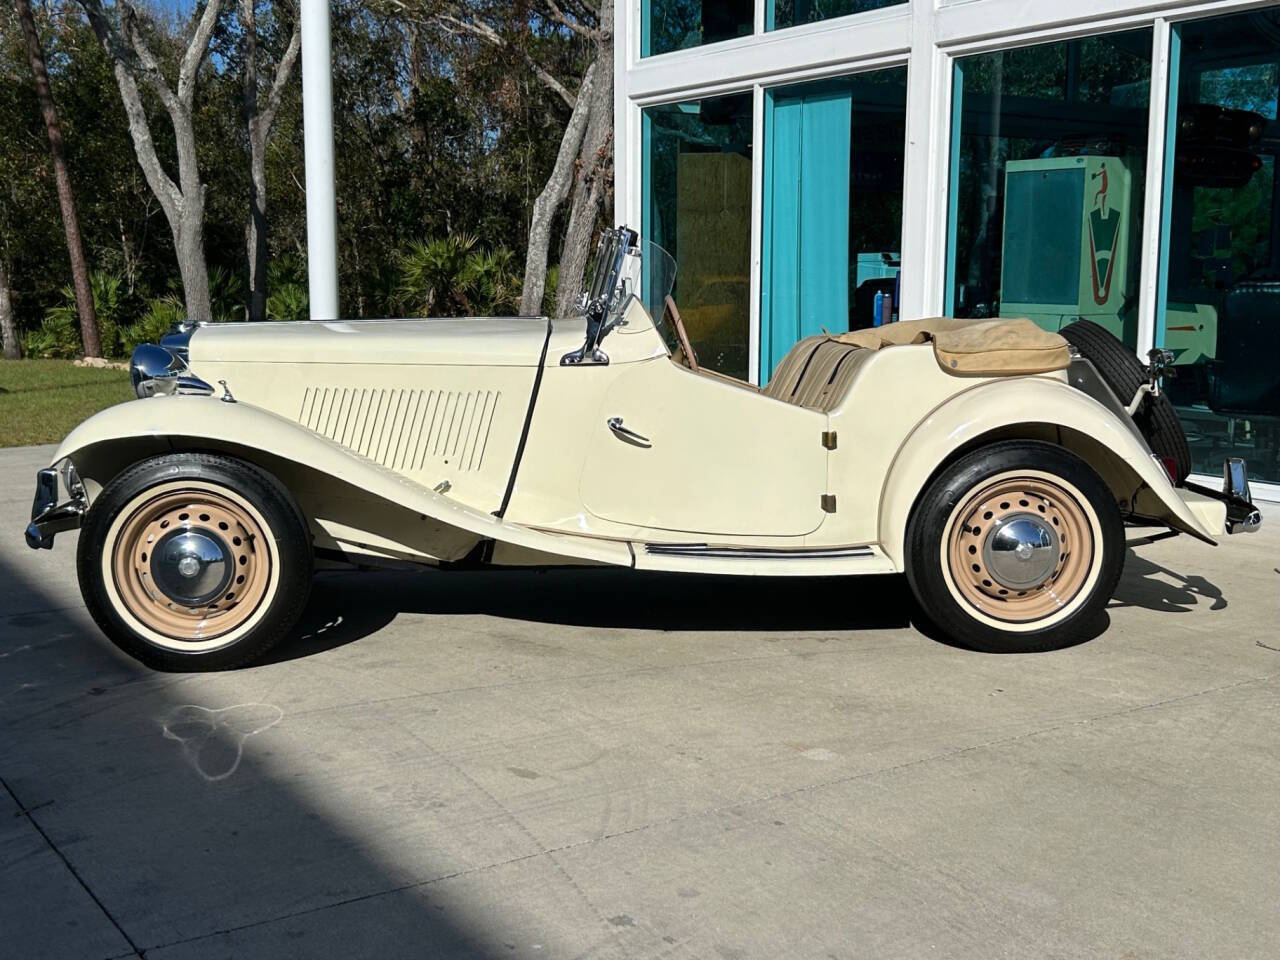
column 492, row 341
column 432, row 424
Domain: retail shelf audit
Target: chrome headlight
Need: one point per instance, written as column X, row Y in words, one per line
column 70, row 479
column 148, row 364
column 157, row 370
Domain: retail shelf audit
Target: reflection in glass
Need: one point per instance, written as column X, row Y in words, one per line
column 667, row 25
column 697, row 206
column 1221, row 314
column 1048, row 173
column 832, row 222
column 788, row 13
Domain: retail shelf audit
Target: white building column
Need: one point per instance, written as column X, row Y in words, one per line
column 317, row 125
column 925, row 167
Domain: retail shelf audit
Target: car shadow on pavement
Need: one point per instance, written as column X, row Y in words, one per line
column 345, row 607
column 155, row 814
column 1151, row 586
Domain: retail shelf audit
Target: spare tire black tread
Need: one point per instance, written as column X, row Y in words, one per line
column 1123, row 373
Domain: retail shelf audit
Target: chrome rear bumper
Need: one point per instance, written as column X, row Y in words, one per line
column 48, row 516
column 1242, row 515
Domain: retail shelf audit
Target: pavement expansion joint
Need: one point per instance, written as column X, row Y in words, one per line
column 27, row 813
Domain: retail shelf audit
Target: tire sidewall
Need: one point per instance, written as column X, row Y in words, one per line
column 288, row 546
column 928, row 570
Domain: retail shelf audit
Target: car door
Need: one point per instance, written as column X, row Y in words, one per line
column 680, row 451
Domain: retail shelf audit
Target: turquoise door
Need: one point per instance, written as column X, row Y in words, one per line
column 804, row 277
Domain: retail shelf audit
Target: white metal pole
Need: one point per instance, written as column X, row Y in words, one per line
column 317, row 125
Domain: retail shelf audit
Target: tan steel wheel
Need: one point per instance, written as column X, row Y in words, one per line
column 1020, row 549
column 190, row 565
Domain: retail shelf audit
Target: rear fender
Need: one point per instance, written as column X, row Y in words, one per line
column 1035, row 408
column 350, row 502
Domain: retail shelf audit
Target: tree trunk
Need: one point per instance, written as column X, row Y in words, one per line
column 552, row 195
column 188, row 235
column 595, row 174
column 259, row 119
column 66, row 199
column 256, row 230
column 8, row 329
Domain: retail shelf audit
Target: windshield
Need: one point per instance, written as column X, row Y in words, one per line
column 658, row 279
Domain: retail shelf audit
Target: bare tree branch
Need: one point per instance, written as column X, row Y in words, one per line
column 575, row 25
column 122, row 57
column 197, row 47
column 484, row 31
column 284, row 72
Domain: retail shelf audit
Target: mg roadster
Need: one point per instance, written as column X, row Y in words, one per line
column 994, row 463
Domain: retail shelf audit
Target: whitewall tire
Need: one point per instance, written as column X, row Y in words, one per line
column 1015, row 547
column 194, row 561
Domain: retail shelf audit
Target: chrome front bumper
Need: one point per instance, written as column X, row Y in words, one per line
column 48, row 516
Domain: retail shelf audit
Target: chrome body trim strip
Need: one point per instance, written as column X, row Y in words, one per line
column 754, row 553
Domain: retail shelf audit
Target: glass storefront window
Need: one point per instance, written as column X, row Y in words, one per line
column 697, row 205
column 788, row 13
column 1048, row 167
column 832, row 219
column 667, row 25
column 1220, row 306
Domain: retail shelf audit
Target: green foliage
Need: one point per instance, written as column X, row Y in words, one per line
column 56, row 338
column 495, row 282
column 161, row 316
column 449, row 276
column 288, row 298
column 226, row 291
column 435, row 275
column 288, row 301
column 548, row 308
column 59, row 335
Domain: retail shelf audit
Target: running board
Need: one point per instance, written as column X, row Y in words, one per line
column 763, row 561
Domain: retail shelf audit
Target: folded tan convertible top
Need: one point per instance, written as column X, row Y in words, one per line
column 973, row 347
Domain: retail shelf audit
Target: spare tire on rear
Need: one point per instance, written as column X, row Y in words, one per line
column 1123, row 373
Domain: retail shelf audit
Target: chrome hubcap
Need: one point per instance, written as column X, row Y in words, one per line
column 191, row 566
column 1021, row 551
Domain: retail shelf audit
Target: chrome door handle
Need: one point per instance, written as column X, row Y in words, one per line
column 623, row 433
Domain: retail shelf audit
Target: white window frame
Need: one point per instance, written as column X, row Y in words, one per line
column 926, row 36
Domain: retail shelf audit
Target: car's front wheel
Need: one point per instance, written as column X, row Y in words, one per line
column 194, row 561
column 1015, row 548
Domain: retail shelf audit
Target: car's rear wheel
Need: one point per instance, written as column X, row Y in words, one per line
column 194, row 562
column 1015, row 548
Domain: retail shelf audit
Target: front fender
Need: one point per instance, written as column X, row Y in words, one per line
column 1031, row 408
column 112, row 439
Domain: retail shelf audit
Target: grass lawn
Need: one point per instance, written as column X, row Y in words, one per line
column 41, row 400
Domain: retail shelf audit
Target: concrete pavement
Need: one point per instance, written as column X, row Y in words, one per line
column 605, row 765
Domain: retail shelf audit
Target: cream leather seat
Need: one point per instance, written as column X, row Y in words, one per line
column 817, row 373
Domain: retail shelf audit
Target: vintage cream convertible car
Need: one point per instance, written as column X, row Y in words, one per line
column 990, row 461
